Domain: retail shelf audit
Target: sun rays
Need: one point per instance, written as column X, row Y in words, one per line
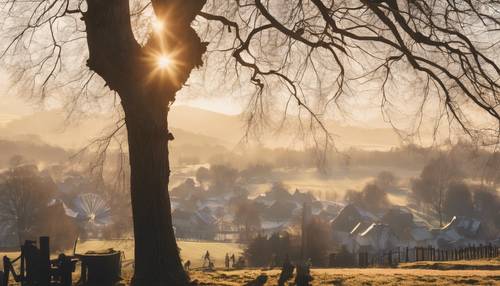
column 162, row 52
column 164, row 61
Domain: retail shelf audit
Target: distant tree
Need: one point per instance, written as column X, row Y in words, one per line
column 247, row 217
column 491, row 170
column 202, row 175
column 319, row 242
column 24, row 198
column 371, row 198
column 257, row 252
column 386, row 180
column 458, row 201
column 262, row 251
column 223, row 178
column 434, row 180
column 487, row 208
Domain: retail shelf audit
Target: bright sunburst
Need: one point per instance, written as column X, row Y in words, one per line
column 164, row 61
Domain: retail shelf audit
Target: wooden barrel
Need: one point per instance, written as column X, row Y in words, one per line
column 101, row 268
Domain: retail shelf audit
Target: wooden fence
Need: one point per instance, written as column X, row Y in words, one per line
column 405, row 254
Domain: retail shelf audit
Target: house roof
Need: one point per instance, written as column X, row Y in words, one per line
column 378, row 236
column 349, row 217
column 360, row 227
column 463, row 225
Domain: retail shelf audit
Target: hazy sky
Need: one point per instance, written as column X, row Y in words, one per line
column 16, row 105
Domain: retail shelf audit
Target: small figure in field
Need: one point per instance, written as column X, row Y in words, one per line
column 233, row 260
column 303, row 274
column 226, row 261
column 187, row 265
column 286, row 271
column 206, row 259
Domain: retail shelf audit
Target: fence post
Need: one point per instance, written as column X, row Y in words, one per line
column 44, row 261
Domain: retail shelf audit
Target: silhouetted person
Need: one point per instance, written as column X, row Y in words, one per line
column 187, row 265
column 286, row 271
column 226, row 261
column 303, row 276
column 233, row 260
column 206, row 259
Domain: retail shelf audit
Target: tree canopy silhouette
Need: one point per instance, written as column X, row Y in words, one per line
column 309, row 52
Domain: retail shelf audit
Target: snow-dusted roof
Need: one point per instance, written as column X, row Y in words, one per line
column 349, row 217
column 269, row 225
column 360, row 228
column 378, row 236
column 461, row 223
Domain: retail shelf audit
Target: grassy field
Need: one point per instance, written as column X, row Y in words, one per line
column 190, row 250
column 480, row 272
column 361, row 277
column 483, row 264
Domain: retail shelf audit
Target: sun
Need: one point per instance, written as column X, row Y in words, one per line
column 164, row 61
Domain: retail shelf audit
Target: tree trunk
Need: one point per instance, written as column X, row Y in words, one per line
column 157, row 260
column 146, row 92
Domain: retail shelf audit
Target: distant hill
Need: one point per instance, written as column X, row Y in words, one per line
column 52, row 128
column 230, row 128
column 224, row 127
column 33, row 152
column 190, row 125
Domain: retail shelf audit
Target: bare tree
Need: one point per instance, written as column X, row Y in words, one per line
column 434, row 180
column 315, row 51
column 24, row 198
column 247, row 217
